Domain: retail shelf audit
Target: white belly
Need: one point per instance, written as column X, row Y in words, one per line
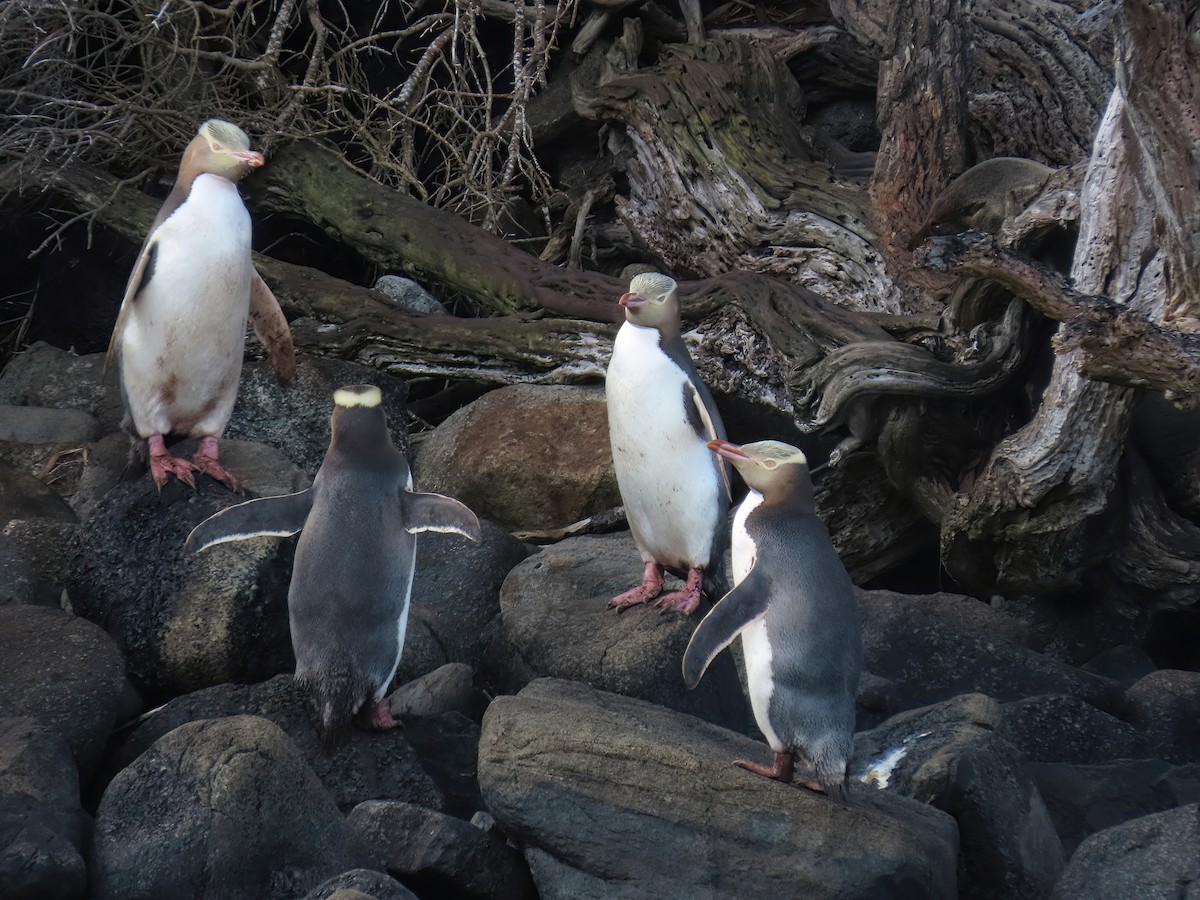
column 668, row 479
column 756, row 648
column 182, row 344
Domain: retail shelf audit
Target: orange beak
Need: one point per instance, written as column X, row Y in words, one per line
column 252, row 158
column 727, row 449
column 631, row 301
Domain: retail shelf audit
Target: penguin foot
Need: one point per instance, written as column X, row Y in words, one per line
column 163, row 464
column 781, row 771
column 649, row 589
column 377, row 717
column 684, row 601
column 205, row 460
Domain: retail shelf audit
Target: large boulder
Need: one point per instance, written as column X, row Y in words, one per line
column 1085, row 799
column 441, row 856
column 1165, row 705
column 223, row 808
column 1151, row 858
column 1061, row 729
column 613, row 797
column 66, row 673
column 531, row 457
column 921, row 653
column 949, row 756
column 46, row 376
column 34, row 556
column 361, row 884
column 365, row 766
column 40, row 425
column 42, row 825
column 22, row 496
column 187, row 621
column 556, row 623
column 294, row 417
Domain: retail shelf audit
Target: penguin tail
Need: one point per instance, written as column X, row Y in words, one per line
column 715, row 582
column 335, row 698
column 837, row 788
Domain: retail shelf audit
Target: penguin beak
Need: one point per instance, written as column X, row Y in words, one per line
column 727, row 449
column 631, row 301
column 251, row 158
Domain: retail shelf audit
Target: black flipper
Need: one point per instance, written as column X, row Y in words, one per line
column 278, row 516
column 434, row 512
column 724, row 622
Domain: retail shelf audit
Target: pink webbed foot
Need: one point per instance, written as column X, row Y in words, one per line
column 688, row 599
column 205, row 460
column 649, row 589
column 780, row 771
column 376, row 717
column 163, row 464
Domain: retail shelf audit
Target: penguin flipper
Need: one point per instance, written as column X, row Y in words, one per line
column 274, row 516
column 708, row 426
column 435, row 512
column 724, row 622
column 143, row 271
column 271, row 328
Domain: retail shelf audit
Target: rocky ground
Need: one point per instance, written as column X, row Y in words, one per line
column 152, row 744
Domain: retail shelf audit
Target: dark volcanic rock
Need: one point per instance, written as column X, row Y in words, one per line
column 187, row 622
column 450, row 688
column 39, row 425
column 441, row 856
column 44, row 546
column 455, row 611
column 1086, row 799
column 294, row 418
column 1166, row 706
column 617, row 798
column 43, row 375
column 1151, row 858
column 1062, row 729
column 361, row 884
column 42, row 826
column 923, row 655
column 1124, row 663
column 224, row 808
column 368, row 765
column 448, row 745
column 24, row 497
column 949, row 756
column 64, row 672
column 556, row 623
column 531, row 457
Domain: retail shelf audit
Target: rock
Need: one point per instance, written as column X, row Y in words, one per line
column 613, row 797
column 455, row 612
column 39, row 425
column 448, row 688
column 1151, row 858
column 1124, row 663
column 949, row 756
column 43, row 545
column 223, row 808
column 43, row 375
column 1165, row 705
column 440, row 856
column 925, row 655
column 64, row 672
column 849, row 121
column 531, row 457
column 1057, row 728
column 407, row 294
column 187, row 622
column 107, row 465
column 1083, row 800
column 556, row 622
column 42, row 825
column 448, row 745
column 365, row 766
column 294, row 418
column 361, row 884
column 23, row 496
column 18, row 584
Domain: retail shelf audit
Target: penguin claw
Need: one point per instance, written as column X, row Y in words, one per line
column 377, row 717
column 643, row 593
column 205, row 460
column 162, row 467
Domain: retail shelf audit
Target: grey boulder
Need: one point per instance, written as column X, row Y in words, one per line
column 361, row 884
column 617, row 798
column 223, row 808
column 1165, row 705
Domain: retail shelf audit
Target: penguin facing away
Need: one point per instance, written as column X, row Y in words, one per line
column 794, row 606
column 178, row 340
column 660, row 416
column 352, row 579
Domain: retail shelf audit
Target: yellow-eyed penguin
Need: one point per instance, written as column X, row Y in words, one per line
column 180, row 333
column 660, row 416
column 793, row 604
column 352, row 578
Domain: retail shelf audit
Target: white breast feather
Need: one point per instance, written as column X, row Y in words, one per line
column 756, row 645
column 668, row 478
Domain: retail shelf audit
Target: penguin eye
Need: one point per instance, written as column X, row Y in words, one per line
column 217, row 148
column 770, row 463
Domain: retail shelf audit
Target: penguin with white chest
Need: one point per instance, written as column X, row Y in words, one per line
column 179, row 336
column 660, row 417
column 352, row 578
column 793, row 604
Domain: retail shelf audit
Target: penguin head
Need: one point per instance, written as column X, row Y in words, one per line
column 359, row 425
column 772, row 468
column 220, row 148
column 651, row 301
